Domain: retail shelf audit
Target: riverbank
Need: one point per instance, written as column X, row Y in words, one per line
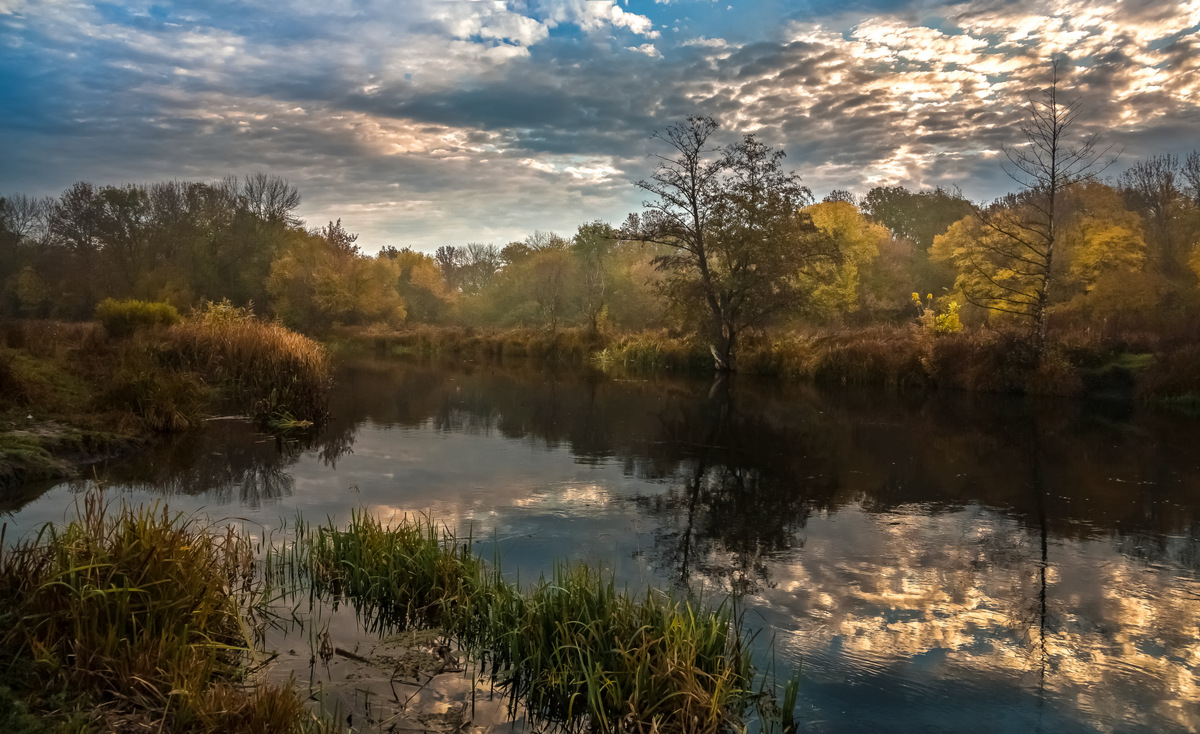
column 76, row 393
column 1134, row 366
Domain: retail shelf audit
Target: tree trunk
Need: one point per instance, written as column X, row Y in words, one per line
column 724, row 352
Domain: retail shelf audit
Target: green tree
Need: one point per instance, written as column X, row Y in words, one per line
column 731, row 224
column 915, row 215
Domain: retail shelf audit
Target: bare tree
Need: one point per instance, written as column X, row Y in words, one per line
column 1191, row 174
column 842, row 195
column 271, row 198
column 1010, row 264
column 25, row 216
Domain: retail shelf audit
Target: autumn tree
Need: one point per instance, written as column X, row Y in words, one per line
column 427, row 299
column 1007, row 261
column 1166, row 193
column 836, row 285
column 321, row 279
column 731, row 223
column 1105, row 252
column 592, row 246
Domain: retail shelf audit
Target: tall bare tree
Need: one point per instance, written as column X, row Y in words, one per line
column 1009, row 265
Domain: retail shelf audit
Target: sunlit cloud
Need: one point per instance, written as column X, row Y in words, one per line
column 537, row 113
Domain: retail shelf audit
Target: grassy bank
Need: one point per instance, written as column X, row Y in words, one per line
column 572, row 651
column 1135, row 366
column 132, row 620
column 74, row 392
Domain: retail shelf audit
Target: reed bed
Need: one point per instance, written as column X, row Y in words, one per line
column 280, row 373
column 134, row 619
column 573, row 651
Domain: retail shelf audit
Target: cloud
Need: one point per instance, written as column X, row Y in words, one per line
column 429, row 123
column 596, row 15
column 647, row 49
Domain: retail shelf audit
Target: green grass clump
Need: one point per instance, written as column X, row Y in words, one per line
column 573, row 650
column 135, row 617
column 123, row 317
column 576, row 645
column 265, row 364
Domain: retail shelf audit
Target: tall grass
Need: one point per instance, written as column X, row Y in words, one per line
column 649, row 352
column 280, row 373
column 568, row 346
column 883, row 355
column 138, row 617
column 573, row 651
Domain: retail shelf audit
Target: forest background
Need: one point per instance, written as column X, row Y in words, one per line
column 890, row 267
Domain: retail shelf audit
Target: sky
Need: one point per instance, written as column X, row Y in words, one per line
column 430, row 122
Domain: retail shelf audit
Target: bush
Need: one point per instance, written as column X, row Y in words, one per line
column 276, row 370
column 122, row 318
column 1172, row 374
column 164, row 399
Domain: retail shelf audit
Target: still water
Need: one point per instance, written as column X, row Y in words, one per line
column 940, row 562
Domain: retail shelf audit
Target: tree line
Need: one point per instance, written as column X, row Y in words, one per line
column 729, row 241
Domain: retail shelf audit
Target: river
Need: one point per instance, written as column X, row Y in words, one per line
column 931, row 562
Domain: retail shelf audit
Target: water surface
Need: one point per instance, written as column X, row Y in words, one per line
column 941, row 562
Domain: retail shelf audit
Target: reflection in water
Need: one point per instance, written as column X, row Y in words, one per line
column 934, row 562
column 228, row 462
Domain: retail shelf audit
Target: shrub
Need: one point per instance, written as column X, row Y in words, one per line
column 164, row 399
column 13, row 390
column 276, row 370
column 1172, row 374
column 122, row 318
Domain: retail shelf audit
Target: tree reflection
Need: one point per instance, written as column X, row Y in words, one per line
column 737, row 496
column 230, row 461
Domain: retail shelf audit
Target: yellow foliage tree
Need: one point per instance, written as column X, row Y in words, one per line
column 835, row 286
column 1102, row 251
column 315, row 285
column 421, row 283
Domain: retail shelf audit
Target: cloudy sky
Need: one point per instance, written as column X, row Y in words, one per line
column 430, row 122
